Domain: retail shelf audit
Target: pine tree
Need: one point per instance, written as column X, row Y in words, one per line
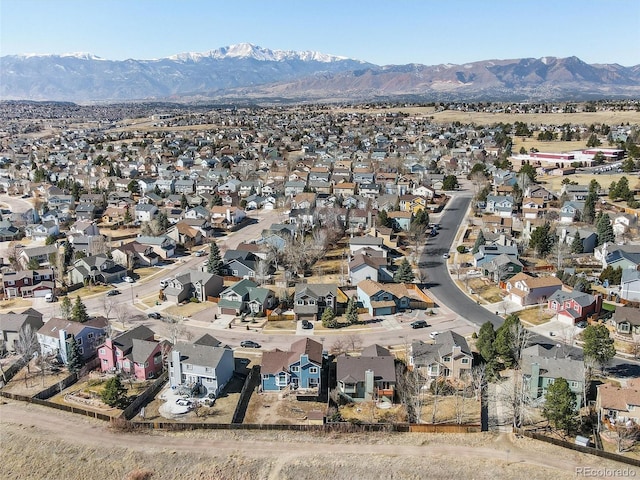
column 486, row 337
column 589, row 210
column 560, row 404
column 215, row 260
column 74, row 358
column 541, row 240
column 576, row 245
column 598, row 345
column 605, row 230
column 329, row 318
column 114, row 392
column 404, row 273
column 480, row 240
column 352, row 311
column 65, row 308
column 127, row 215
column 79, row 311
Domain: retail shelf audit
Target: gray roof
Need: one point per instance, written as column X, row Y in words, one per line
column 425, row 354
column 375, row 350
column 124, row 341
column 353, row 368
column 316, row 289
column 198, row 354
column 13, row 322
column 142, row 349
column 583, row 299
column 551, row 365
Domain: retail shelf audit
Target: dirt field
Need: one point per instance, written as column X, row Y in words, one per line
column 265, row 408
column 555, row 182
column 40, row 443
column 450, row 408
column 34, row 382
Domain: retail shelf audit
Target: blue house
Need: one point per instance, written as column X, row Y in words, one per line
column 299, row 368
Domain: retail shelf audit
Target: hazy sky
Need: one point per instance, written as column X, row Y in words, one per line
column 382, row 32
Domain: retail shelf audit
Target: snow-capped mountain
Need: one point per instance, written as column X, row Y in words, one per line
column 250, row 73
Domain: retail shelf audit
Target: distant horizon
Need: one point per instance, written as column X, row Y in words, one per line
column 81, row 54
column 377, row 31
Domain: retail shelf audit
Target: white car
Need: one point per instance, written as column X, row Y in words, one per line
column 434, row 335
column 127, row 279
column 445, row 255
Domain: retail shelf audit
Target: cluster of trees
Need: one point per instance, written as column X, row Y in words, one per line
column 76, row 312
column 404, row 273
column 542, row 239
column 501, row 348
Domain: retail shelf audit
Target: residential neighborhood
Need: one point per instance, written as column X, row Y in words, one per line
column 267, row 266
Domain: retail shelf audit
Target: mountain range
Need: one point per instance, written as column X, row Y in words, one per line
column 252, row 74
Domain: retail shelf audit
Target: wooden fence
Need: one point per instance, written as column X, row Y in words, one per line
column 10, row 372
column 145, row 397
column 57, row 387
column 444, row 428
column 57, row 406
column 250, row 383
column 579, row 448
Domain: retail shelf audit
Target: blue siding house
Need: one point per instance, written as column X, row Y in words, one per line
column 299, row 368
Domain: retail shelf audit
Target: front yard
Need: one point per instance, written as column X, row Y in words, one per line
column 535, row 315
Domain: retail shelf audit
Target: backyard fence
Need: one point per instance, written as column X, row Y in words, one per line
column 57, row 387
column 145, row 397
column 10, row 372
column 579, row 448
column 57, row 406
column 444, row 428
column 250, row 383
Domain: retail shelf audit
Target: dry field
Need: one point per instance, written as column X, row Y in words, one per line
column 368, row 412
column 40, row 443
column 267, row 408
column 188, row 309
column 30, row 381
column 555, row 182
column 448, row 408
column 535, row 315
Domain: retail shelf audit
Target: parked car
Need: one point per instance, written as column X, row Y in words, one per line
column 155, row 315
column 165, row 282
column 250, row 344
column 183, row 402
column 434, row 335
column 128, row 279
column 111, row 293
column 581, row 324
column 307, row 325
column 419, row 324
column 445, row 255
column 200, row 253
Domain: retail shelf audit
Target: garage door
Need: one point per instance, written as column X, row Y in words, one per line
column 41, row 293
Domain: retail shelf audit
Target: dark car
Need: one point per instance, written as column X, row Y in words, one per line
column 155, row 315
column 249, row 344
column 419, row 324
column 306, row 324
column 111, row 293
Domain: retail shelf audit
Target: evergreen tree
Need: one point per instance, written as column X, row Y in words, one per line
column 383, row 219
column 505, row 344
column 352, row 311
column 541, row 240
column 74, row 358
column 594, row 186
column 329, row 318
column 589, row 210
column 605, row 230
column 65, row 308
column 449, row 182
column 480, row 240
column 576, row 245
column 404, row 273
column 215, row 260
column 216, row 200
column 79, row 311
column 184, row 203
column 127, row 215
column 598, row 345
column 114, row 393
column 560, row 404
column 486, row 337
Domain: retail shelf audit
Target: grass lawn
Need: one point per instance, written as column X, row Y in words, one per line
column 555, row 182
column 280, row 326
column 15, row 303
column 89, row 290
column 147, row 272
column 608, row 307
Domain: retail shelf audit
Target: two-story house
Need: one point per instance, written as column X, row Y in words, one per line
column 524, row 289
column 134, row 352
column 310, row 300
column 96, row 269
column 501, row 205
column 28, row 283
column 371, row 376
column 54, row 336
column 245, row 296
column 571, row 211
column 573, row 307
column 204, row 366
column 369, row 266
column 193, row 284
column 382, row 299
column 162, row 245
column 299, row 368
column 619, row 405
column 448, row 357
column 134, row 254
column 626, row 321
column 12, row 323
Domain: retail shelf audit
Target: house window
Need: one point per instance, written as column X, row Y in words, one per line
column 446, row 359
column 207, row 369
column 235, row 273
column 313, row 370
column 265, row 376
column 300, row 302
column 465, row 360
column 574, row 384
column 105, row 361
column 79, row 341
column 89, row 335
column 189, row 366
column 102, row 351
column 295, row 369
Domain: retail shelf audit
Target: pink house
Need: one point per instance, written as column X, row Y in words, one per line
column 135, row 353
column 573, row 307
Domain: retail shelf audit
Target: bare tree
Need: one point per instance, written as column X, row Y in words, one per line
column 354, row 342
column 627, row 436
column 339, row 347
column 262, row 271
column 477, row 378
column 410, row 388
column 121, row 312
column 26, row 346
column 108, row 305
column 178, row 330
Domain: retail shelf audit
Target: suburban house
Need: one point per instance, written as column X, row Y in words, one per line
column 204, row 367
column 135, row 254
column 369, row 377
column 384, row 299
column 39, row 254
column 28, row 283
column 533, row 207
column 12, row 323
column 134, row 352
column 241, row 264
column 162, row 245
column 145, row 212
column 541, row 367
column 623, row 256
column 501, row 205
column 588, row 237
column 524, row 289
column 571, row 211
column 623, row 223
column 233, row 215
column 310, row 300
column 617, row 405
column 626, row 321
column 486, row 253
column 193, row 284
column 502, row 267
column 246, row 296
column 573, row 307
column 367, row 241
column 96, row 269
column 366, row 264
column 298, row 368
column 448, row 357
column 630, row 285
column 54, row 336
